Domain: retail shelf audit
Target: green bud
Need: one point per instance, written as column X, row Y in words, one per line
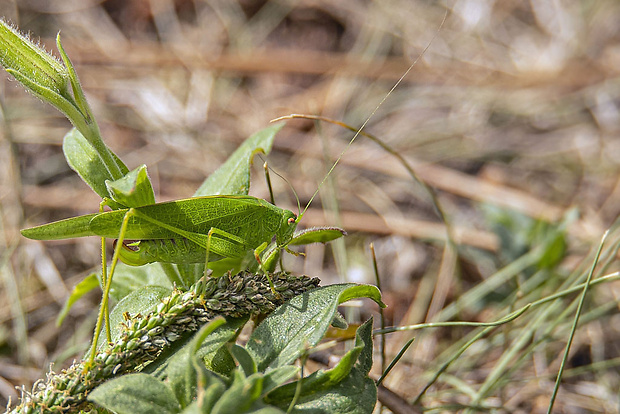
column 29, row 62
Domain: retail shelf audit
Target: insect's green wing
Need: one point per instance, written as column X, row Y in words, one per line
column 109, row 224
column 63, row 229
column 250, row 220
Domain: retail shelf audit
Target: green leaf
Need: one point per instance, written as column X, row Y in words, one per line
column 345, row 388
column 278, row 376
column 76, row 87
column 319, row 381
column 356, row 394
column 339, row 321
column 86, row 123
column 62, row 229
column 271, row 256
column 363, row 338
column 133, row 190
column 301, row 323
column 246, row 363
column 165, row 365
column 241, row 395
column 221, row 361
column 317, row 235
column 141, row 301
column 233, row 177
column 84, row 160
column 135, row 394
column 89, row 283
column 208, row 397
column 183, row 375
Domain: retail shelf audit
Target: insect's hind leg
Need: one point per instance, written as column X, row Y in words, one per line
column 107, row 284
column 104, row 276
column 228, row 246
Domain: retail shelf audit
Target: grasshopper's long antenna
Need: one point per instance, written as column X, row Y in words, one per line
column 357, row 133
column 267, row 169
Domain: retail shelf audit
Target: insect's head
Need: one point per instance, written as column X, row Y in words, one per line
column 287, row 228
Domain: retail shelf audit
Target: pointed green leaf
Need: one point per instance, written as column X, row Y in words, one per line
column 133, row 190
column 78, row 93
column 84, row 160
column 278, row 376
column 345, row 388
column 355, row 394
column 233, row 177
column 317, row 235
column 339, row 321
column 319, row 381
column 246, row 363
column 87, row 284
column 135, row 394
column 241, row 395
column 301, row 323
column 165, row 365
column 363, row 338
column 188, row 372
column 86, row 123
column 210, row 395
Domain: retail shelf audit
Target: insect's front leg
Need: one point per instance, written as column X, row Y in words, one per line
column 270, row 263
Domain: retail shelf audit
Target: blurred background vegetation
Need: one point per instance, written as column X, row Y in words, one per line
column 511, row 116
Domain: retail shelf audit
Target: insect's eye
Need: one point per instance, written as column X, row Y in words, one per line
column 291, row 220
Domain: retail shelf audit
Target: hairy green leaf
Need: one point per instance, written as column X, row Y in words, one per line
column 136, row 394
column 246, row 363
column 301, row 323
column 242, row 396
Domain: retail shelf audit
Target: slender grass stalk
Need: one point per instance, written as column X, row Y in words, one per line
column 582, row 300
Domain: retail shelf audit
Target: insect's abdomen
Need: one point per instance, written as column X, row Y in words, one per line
column 179, row 251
